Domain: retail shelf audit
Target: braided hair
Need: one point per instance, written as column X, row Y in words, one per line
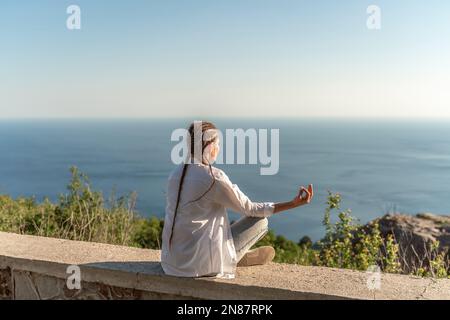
column 205, row 142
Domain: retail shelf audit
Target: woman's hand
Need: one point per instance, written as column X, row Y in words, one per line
column 304, row 196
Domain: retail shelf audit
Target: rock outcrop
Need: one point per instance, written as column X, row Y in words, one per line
column 415, row 234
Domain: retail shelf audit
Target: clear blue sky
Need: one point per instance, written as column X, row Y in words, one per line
column 224, row 58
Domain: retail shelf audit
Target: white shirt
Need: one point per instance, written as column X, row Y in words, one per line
column 202, row 243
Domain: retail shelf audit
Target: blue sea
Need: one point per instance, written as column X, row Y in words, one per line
column 378, row 166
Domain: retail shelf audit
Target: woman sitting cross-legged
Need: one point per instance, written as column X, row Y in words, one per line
column 197, row 237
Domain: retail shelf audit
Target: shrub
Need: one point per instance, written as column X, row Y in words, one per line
column 435, row 263
column 288, row 251
column 147, row 233
column 349, row 245
column 81, row 214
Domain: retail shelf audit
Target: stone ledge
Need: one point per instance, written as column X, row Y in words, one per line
column 35, row 267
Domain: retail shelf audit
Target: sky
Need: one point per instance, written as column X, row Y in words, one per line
column 224, row 58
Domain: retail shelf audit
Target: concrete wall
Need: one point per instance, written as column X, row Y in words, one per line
column 37, row 268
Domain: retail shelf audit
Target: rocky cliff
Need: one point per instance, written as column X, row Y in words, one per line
column 415, row 235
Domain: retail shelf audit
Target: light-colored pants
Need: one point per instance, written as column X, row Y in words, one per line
column 246, row 232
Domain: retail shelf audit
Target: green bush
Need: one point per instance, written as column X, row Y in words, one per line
column 81, row 214
column 349, row 245
column 288, row 251
column 147, row 233
column 346, row 244
column 435, row 263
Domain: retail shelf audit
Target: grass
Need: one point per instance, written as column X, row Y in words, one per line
column 81, row 214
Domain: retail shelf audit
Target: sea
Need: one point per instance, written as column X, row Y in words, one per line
column 378, row 166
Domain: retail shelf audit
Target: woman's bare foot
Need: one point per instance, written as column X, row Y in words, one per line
column 258, row 256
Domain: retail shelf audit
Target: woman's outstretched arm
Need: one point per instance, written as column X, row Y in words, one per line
column 303, row 197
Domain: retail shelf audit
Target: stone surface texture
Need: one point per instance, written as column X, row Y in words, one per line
column 37, row 268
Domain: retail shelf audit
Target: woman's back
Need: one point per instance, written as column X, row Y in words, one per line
column 201, row 242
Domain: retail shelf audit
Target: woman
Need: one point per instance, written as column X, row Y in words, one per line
column 197, row 237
